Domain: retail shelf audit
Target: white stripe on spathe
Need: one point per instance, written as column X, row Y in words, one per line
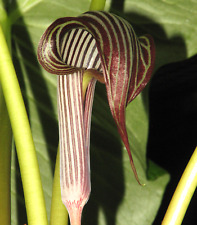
column 74, row 155
column 74, row 51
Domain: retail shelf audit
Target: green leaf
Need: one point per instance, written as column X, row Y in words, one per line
column 116, row 197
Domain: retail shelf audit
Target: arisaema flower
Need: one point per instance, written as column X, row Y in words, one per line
column 96, row 46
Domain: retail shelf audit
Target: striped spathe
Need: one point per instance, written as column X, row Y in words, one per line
column 98, row 46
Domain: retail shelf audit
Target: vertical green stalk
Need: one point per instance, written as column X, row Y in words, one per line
column 34, row 198
column 5, row 144
column 183, row 194
column 59, row 213
column 97, row 5
column 5, row 163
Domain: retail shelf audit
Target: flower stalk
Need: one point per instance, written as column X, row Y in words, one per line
column 5, row 163
column 5, row 140
column 97, row 5
column 183, row 194
column 34, row 198
column 58, row 214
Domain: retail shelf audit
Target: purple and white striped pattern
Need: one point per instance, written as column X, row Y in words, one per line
column 74, row 131
column 108, row 46
column 77, row 49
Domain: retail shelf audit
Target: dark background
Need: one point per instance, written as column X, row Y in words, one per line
column 173, row 123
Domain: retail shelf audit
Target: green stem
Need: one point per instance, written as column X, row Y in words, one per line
column 5, row 144
column 34, row 198
column 183, row 194
column 59, row 213
column 97, row 5
column 5, row 163
column 6, row 27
